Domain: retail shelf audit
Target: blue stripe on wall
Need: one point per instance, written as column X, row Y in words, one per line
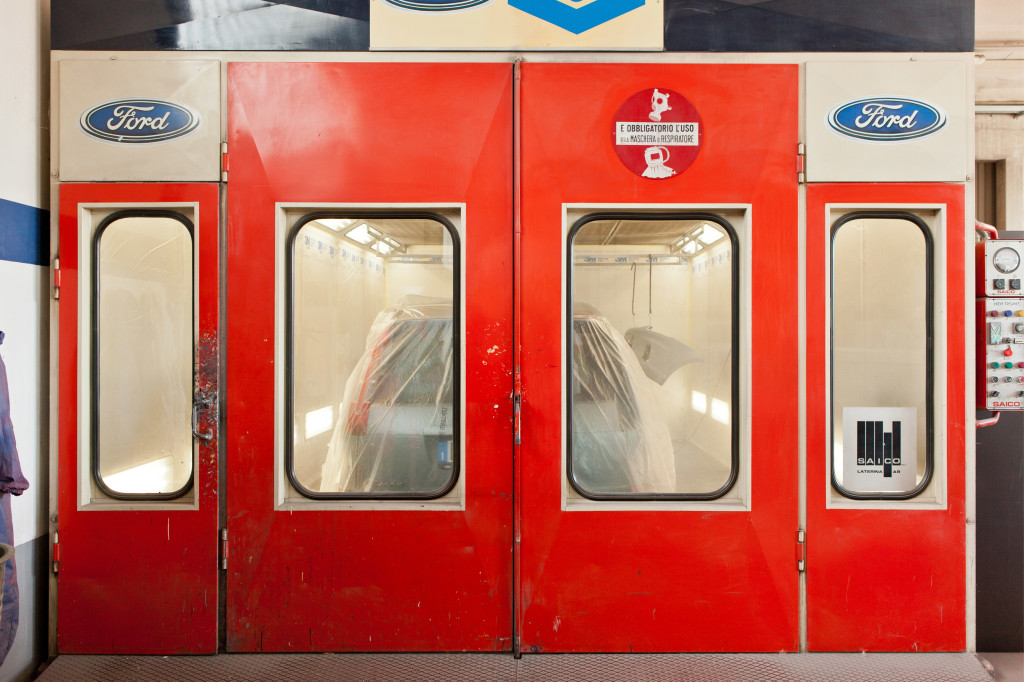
column 24, row 233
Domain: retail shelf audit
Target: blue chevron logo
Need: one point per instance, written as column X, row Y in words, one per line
column 576, row 19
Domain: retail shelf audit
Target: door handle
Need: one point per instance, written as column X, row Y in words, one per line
column 196, row 406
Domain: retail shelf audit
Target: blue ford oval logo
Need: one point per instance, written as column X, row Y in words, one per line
column 886, row 119
column 135, row 121
column 435, row 5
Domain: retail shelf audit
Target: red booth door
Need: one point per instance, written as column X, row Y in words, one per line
column 137, row 551
column 649, row 572
column 308, row 574
column 889, row 574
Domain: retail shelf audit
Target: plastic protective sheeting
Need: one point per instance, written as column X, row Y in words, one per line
column 145, row 333
column 619, row 445
column 395, row 436
column 659, row 355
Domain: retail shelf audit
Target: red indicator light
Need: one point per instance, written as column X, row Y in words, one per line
column 994, row 313
column 1008, row 352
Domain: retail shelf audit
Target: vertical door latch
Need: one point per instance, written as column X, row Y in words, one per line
column 56, row 278
column 224, row 549
column 56, row 552
column 801, row 550
column 801, row 157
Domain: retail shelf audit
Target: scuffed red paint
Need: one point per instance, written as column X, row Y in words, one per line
column 382, row 580
column 142, row 581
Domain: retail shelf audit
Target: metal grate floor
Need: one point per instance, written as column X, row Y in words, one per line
column 961, row 667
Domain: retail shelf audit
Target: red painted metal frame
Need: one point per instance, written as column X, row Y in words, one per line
column 370, row 580
column 886, row 580
column 142, row 581
column 662, row 580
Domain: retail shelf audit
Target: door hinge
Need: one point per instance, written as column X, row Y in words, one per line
column 517, row 417
column 224, row 549
column 801, row 550
column 56, row 278
column 224, row 162
column 801, row 157
column 56, row 552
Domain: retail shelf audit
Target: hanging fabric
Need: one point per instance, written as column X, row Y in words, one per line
column 12, row 482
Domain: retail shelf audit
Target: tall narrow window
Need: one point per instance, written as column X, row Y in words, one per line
column 372, row 385
column 882, row 356
column 652, row 357
column 142, row 346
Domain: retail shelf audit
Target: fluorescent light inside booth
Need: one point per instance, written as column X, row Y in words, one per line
column 319, row 421
column 710, row 234
column 720, row 411
column 155, row 475
column 360, row 233
column 336, row 224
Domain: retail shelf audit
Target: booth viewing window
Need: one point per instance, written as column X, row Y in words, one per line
column 372, row 380
column 882, row 355
column 652, row 356
column 142, row 347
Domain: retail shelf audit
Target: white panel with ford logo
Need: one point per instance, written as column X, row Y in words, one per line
column 887, row 121
column 138, row 120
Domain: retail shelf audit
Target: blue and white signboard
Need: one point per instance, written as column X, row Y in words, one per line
column 887, row 121
column 516, row 24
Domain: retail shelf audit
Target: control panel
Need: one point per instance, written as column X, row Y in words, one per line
column 1001, row 349
column 1001, row 267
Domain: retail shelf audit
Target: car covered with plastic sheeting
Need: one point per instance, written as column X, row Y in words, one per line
column 618, row 445
column 397, row 434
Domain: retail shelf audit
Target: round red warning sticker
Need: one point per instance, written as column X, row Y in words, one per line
column 658, row 133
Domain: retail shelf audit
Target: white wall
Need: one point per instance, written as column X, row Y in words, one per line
column 24, row 81
column 24, row 141
column 24, row 300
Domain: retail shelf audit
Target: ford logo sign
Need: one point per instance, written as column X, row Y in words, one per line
column 435, row 5
column 886, row 119
column 139, row 121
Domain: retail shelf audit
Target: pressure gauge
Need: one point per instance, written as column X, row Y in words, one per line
column 1006, row 260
